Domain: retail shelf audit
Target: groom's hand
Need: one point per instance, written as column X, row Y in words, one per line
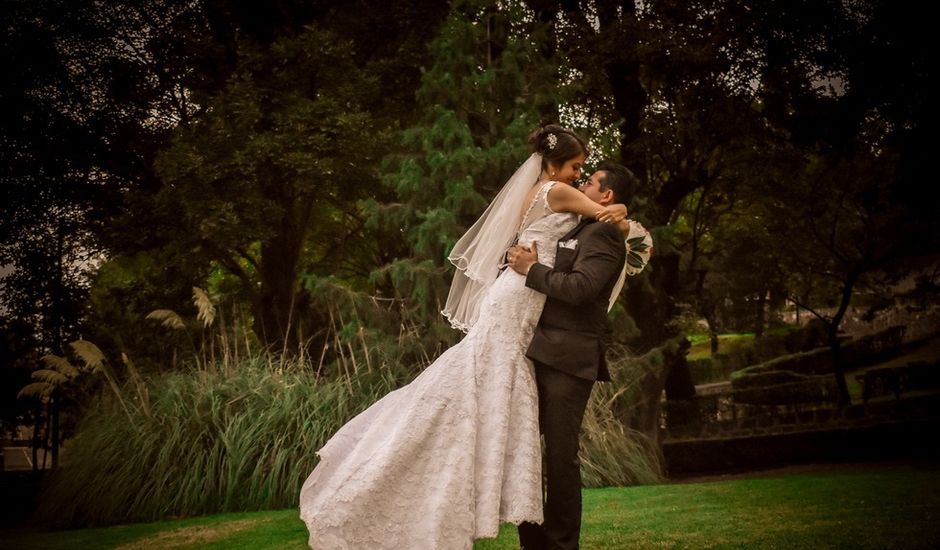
column 521, row 258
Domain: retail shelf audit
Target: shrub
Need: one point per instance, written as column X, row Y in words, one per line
column 817, row 361
column 215, row 439
column 784, row 388
column 226, row 438
column 810, row 336
column 796, row 378
column 612, row 453
column 730, row 362
column 764, row 378
column 874, row 348
column 770, row 345
column 707, row 370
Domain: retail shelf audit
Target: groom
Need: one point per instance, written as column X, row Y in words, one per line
column 568, row 349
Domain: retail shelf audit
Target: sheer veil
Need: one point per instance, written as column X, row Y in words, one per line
column 479, row 253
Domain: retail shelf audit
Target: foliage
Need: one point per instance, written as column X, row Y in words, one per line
column 817, row 361
column 17, row 356
column 806, row 375
column 876, row 347
column 265, row 181
column 738, row 351
column 127, row 287
column 327, row 155
column 248, row 437
column 90, row 91
column 366, row 333
column 60, row 383
column 219, row 415
column 637, row 388
column 612, row 452
column 727, row 341
column 249, row 422
column 784, row 388
column 708, row 370
column 484, row 91
column 105, row 86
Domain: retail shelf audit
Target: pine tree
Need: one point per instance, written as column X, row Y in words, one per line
column 487, row 87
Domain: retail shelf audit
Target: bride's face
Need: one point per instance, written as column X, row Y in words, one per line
column 570, row 171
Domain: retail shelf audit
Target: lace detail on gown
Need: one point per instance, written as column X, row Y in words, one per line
column 444, row 460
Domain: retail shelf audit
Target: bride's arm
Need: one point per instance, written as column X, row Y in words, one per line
column 624, row 227
column 565, row 198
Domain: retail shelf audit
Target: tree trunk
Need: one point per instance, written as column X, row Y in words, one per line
column 46, row 443
column 629, row 100
column 275, row 309
column 679, row 385
column 760, row 320
column 615, row 20
column 55, row 429
column 834, row 345
column 706, row 308
column 37, row 438
column 653, row 307
column 276, row 304
column 646, row 417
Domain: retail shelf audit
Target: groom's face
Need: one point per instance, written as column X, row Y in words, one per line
column 592, row 189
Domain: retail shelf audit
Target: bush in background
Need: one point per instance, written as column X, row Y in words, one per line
column 213, row 439
column 613, row 451
column 738, row 352
column 223, row 437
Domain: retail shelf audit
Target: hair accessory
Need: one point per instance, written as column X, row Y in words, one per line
column 552, row 141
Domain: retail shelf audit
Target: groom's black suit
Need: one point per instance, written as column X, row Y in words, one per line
column 568, row 352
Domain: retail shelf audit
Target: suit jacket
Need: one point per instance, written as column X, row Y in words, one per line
column 571, row 332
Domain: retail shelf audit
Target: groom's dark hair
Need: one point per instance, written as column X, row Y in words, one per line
column 619, row 179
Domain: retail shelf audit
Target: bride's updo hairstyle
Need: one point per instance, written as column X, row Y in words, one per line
column 556, row 144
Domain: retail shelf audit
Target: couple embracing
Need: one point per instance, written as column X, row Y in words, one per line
column 443, row 461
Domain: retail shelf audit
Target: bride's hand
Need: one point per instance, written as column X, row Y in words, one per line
column 612, row 213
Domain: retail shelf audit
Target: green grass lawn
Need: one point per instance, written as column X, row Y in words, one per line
column 701, row 343
column 868, row 506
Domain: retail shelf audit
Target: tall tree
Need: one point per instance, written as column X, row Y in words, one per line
column 835, row 203
column 715, row 99
column 92, row 90
column 268, row 177
column 835, row 229
column 195, row 54
column 47, row 153
column 486, row 88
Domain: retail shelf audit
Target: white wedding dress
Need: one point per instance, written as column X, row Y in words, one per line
column 444, row 460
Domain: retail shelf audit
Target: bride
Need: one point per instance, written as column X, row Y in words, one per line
column 444, row 460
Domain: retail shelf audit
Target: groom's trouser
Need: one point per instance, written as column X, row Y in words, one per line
column 562, row 400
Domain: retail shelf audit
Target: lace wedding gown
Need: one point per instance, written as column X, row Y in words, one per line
column 444, row 460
